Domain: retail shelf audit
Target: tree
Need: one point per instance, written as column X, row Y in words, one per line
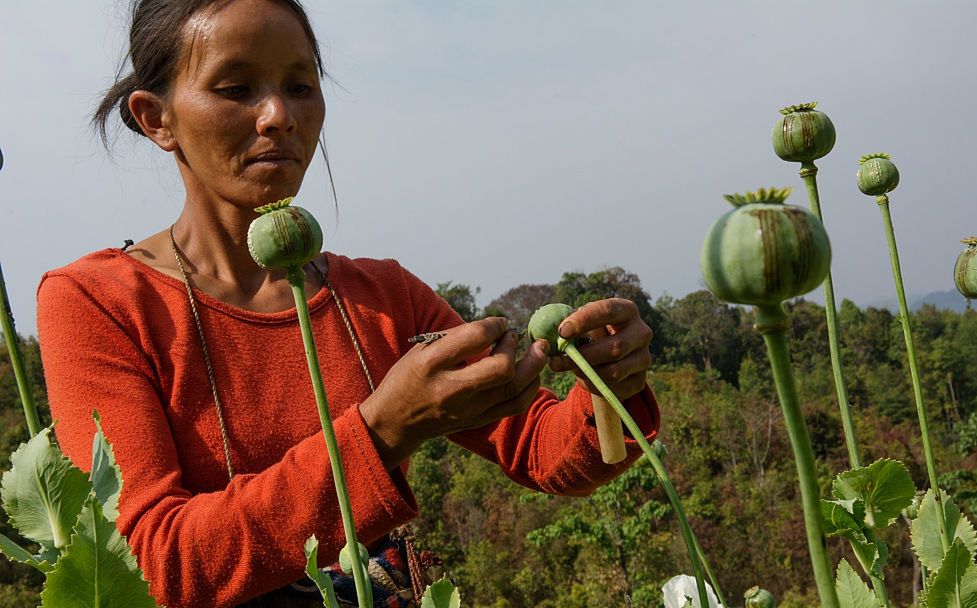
column 577, row 289
column 703, row 331
column 461, row 298
column 519, row 303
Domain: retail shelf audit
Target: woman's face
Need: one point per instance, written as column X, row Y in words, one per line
column 245, row 109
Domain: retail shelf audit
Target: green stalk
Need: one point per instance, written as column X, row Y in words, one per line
column 17, row 361
column 907, row 332
column 866, row 561
column 809, row 174
column 709, row 572
column 364, row 591
column 772, row 323
column 638, row 435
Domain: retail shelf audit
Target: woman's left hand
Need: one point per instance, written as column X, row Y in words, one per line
column 617, row 347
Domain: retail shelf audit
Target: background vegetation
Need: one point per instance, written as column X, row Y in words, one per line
column 728, row 456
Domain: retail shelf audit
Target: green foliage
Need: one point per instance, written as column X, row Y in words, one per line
column 97, row 569
column 461, row 298
column 18, row 554
column 704, row 332
column 728, row 458
column 320, row 578
column 884, row 489
column 60, row 525
column 926, row 529
column 955, row 582
column 442, row 594
column 43, row 493
column 519, row 303
column 106, row 478
column 852, row 590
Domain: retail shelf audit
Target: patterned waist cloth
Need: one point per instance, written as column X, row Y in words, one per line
column 390, row 578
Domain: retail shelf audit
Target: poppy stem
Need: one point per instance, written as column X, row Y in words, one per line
column 364, row 590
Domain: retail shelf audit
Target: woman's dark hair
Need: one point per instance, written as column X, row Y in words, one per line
column 155, row 37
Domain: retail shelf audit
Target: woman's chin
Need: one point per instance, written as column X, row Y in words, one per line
column 265, row 192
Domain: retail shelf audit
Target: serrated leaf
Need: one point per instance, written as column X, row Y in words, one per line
column 955, row 583
column 320, row 578
column 106, row 476
column 925, row 530
column 97, row 570
column 852, row 590
column 843, row 518
column 16, row 553
column 442, row 594
column 43, row 493
column 884, row 487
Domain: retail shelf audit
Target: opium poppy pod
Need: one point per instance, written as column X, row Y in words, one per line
column 764, row 252
column 758, row 598
column 545, row 325
column 965, row 270
column 877, row 174
column 803, row 134
column 284, row 236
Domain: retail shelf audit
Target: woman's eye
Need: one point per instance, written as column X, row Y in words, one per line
column 233, row 91
column 301, row 89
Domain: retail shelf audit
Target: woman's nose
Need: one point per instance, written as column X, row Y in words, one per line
column 274, row 115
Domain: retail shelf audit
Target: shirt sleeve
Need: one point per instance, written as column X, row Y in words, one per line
column 552, row 447
column 211, row 549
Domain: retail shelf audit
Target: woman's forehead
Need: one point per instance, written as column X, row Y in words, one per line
column 240, row 33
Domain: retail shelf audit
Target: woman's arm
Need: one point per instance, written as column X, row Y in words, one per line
column 214, row 549
column 552, row 445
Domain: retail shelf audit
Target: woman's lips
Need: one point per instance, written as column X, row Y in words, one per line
column 272, row 161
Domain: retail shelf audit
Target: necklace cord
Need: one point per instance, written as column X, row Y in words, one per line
column 210, row 368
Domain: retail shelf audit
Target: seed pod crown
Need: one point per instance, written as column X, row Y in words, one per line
column 877, row 174
column 803, row 134
column 764, row 251
column 284, row 236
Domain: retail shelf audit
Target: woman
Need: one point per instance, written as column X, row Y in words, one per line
column 190, row 351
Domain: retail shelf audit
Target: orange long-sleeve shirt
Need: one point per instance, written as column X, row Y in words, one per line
column 118, row 336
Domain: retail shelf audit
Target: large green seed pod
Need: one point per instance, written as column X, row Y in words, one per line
column 284, row 236
column 545, row 325
column 965, row 270
column 758, row 598
column 764, row 252
column 803, row 134
column 877, row 174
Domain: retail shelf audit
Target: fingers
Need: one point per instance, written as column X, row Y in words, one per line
column 511, row 407
column 496, row 369
column 465, row 341
column 598, row 315
column 630, row 386
column 632, row 338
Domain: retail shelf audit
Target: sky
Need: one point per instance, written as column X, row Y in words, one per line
column 501, row 143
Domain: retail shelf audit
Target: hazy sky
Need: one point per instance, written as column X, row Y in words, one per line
column 499, row 143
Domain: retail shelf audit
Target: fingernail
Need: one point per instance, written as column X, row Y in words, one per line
column 543, row 347
column 566, row 329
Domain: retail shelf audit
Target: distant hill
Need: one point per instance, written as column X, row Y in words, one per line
column 950, row 299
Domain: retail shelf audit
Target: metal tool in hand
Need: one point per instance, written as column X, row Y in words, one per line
column 434, row 336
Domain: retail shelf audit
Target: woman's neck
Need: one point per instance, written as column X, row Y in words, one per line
column 212, row 241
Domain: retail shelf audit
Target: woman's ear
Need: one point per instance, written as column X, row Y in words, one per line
column 148, row 110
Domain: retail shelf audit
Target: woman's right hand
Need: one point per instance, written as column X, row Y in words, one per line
column 431, row 391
